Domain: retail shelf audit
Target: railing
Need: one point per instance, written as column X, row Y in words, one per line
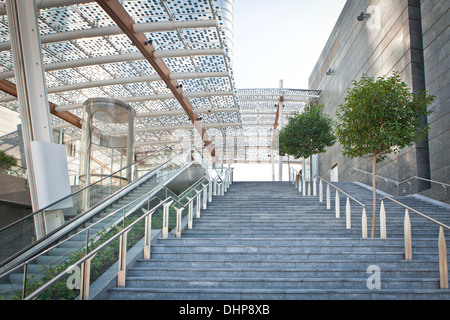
column 442, row 251
column 22, row 233
column 146, row 200
column 404, row 191
column 348, row 215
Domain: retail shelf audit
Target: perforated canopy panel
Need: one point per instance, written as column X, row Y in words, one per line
column 86, row 55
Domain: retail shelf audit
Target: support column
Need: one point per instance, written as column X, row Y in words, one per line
column 40, row 152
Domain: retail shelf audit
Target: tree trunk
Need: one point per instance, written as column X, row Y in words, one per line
column 310, row 175
column 374, row 192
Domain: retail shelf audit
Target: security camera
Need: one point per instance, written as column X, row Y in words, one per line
column 362, row 16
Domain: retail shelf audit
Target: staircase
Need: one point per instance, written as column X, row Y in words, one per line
column 265, row 241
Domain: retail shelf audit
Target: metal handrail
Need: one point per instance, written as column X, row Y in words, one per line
column 81, row 190
column 417, row 212
column 91, row 254
column 37, row 242
column 442, row 246
column 342, row 191
column 444, row 185
column 131, row 204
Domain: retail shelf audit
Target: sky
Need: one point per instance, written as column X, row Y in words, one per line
column 280, row 40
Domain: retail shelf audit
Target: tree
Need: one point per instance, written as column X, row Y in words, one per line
column 307, row 134
column 380, row 117
column 6, row 161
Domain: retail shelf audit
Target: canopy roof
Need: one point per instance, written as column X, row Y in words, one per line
column 87, row 55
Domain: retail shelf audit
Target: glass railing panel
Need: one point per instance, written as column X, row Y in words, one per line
column 19, row 235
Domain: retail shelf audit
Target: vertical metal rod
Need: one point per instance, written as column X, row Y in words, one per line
column 85, row 278
column 24, row 280
column 348, row 214
column 121, row 275
column 205, row 198
column 328, row 197
column 382, row 221
column 197, row 209
column 338, row 205
column 165, row 227
column 320, row 191
column 87, row 241
column 364, row 224
column 314, row 187
column 407, row 235
column 210, row 191
column 148, row 236
column 443, row 266
column 190, row 209
column 178, row 229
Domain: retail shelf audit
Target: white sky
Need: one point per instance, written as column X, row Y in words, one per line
column 280, row 39
column 274, row 40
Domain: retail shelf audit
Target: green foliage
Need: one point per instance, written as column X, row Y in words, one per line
column 307, row 134
column 6, row 161
column 380, row 117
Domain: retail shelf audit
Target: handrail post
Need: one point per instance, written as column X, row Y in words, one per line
column 314, row 187
column 443, row 266
column 121, row 275
column 165, row 226
column 338, row 205
column 304, row 187
column 320, row 191
column 328, row 197
column 210, row 191
column 364, row 223
column 197, row 206
column 178, row 228
column 148, row 236
column 85, row 278
column 309, row 188
column 348, row 214
column 222, row 190
column 190, row 209
column 205, row 197
column 407, row 235
column 382, row 221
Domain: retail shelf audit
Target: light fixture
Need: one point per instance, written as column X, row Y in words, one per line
column 363, row 16
column 329, row 72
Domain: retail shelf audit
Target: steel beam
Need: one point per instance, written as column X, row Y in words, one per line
column 11, row 89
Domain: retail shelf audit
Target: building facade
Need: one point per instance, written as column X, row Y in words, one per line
column 409, row 37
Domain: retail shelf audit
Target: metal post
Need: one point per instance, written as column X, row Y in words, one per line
column 85, row 279
column 197, row 203
column 338, row 205
column 304, row 187
column 205, row 197
column 328, row 197
column 148, row 236
column 364, row 224
column 320, row 191
column 178, row 228
column 443, row 266
column 190, row 209
column 348, row 214
column 407, row 231
column 210, row 192
column 314, row 187
column 121, row 275
column 382, row 221
column 165, row 226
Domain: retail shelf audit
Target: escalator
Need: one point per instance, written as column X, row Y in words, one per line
column 93, row 212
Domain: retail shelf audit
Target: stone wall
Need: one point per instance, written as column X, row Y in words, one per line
column 386, row 42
